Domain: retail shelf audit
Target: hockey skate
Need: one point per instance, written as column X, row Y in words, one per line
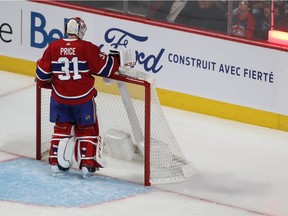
column 57, row 170
column 88, row 171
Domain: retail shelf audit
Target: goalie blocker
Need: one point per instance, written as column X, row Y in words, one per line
column 127, row 57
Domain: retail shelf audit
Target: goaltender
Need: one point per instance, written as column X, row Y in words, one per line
column 66, row 67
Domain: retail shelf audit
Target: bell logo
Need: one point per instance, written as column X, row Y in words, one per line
column 41, row 37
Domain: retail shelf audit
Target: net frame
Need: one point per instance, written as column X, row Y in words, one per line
column 122, row 78
column 149, row 92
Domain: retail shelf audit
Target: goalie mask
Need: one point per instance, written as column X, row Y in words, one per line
column 76, row 26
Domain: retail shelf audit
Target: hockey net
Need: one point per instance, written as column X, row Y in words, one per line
column 132, row 126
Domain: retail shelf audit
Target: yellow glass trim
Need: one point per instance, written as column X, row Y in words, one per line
column 181, row 101
column 17, row 65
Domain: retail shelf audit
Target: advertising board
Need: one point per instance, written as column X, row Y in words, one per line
column 192, row 64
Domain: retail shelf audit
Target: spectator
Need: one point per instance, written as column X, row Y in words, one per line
column 257, row 8
column 280, row 22
column 159, row 9
column 176, row 8
column 244, row 21
column 209, row 15
column 285, row 5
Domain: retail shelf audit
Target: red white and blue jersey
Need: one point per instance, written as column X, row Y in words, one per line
column 68, row 65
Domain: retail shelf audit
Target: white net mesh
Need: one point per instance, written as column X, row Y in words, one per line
column 46, row 126
column 121, row 106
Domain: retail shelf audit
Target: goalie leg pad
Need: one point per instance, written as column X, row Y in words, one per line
column 89, row 152
column 65, row 152
column 61, row 134
column 88, row 148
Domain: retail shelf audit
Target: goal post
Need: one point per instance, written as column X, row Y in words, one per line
column 131, row 123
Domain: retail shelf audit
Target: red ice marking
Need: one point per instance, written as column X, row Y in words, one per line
column 217, row 203
column 16, row 90
column 11, row 156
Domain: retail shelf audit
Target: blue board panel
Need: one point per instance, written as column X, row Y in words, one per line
column 29, row 181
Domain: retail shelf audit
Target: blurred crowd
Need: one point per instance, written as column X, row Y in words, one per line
column 249, row 19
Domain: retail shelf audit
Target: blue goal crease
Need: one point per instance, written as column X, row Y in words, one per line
column 29, row 181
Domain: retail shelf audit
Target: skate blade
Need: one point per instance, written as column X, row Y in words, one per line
column 61, row 173
column 56, row 172
column 87, row 176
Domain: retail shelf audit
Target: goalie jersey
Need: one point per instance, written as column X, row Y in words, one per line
column 67, row 66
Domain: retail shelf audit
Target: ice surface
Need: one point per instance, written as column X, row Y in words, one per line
column 242, row 170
